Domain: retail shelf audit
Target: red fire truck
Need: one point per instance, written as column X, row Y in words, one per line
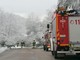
column 65, row 35
column 46, row 43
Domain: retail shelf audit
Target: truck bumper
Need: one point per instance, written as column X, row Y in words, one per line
column 69, row 52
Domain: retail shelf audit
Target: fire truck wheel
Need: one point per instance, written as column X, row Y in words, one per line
column 58, row 55
column 52, row 52
column 78, row 54
column 46, row 48
column 55, row 55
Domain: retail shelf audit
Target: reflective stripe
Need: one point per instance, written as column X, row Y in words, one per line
column 58, row 34
column 64, row 44
column 57, row 28
column 57, row 23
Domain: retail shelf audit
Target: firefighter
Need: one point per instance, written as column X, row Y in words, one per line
column 17, row 44
column 22, row 44
column 34, row 43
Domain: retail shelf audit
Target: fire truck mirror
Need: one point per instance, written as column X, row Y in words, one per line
column 53, row 37
column 47, row 25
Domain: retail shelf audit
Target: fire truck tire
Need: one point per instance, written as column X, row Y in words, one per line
column 78, row 54
column 46, row 48
column 55, row 55
column 58, row 55
column 52, row 52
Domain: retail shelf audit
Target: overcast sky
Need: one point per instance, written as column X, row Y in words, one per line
column 24, row 7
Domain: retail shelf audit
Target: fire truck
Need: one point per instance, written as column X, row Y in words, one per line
column 46, row 43
column 65, row 34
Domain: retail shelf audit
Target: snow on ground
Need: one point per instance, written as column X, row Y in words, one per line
column 2, row 49
column 16, row 47
column 20, row 47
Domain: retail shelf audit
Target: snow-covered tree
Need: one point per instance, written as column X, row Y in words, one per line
column 36, row 28
column 11, row 26
column 75, row 4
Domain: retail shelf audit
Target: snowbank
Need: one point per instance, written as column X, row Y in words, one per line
column 2, row 49
column 16, row 47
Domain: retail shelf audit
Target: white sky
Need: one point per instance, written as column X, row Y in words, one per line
column 24, row 7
